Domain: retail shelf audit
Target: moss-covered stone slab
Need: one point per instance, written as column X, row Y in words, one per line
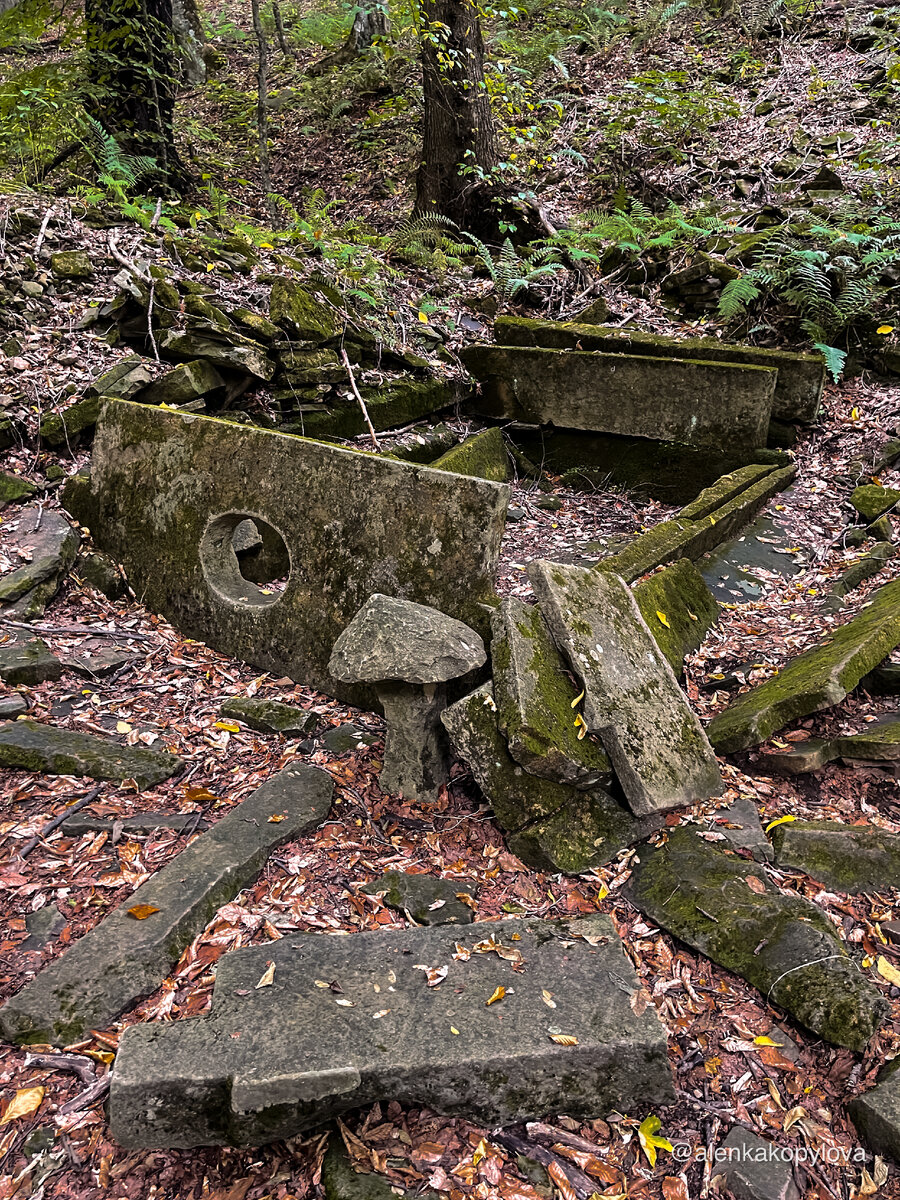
column 726, row 488
column 64, row 428
column 537, row 701
column 679, row 610
column 801, row 377
column 28, row 663
column 14, row 488
column 783, row 945
column 846, row 858
column 876, row 1113
column 71, row 264
column 301, row 315
column 670, row 400
column 483, row 455
column 48, row 544
column 550, row 826
column 818, row 679
column 388, row 408
column 798, row 758
column 32, row 746
column 125, row 957
column 225, row 351
column 864, row 568
column 878, row 742
column 168, row 490
column 269, row 716
column 428, row 900
column 632, row 700
column 872, row 501
column 184, row 383
column 99, row 571
column 301, row 1057
column 425, row 444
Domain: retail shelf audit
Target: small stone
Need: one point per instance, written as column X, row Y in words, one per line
column 515, row 513
column 13, row 488
column 101, row 573
column 429, row 901
column 341, row 1181
column 182, row 385
column 878, row 742
column 123, row 381
column 742, row 828
column 797, row 758
column 11, row 706
column 549, row 503
column 43, row 926
column 28, row 663
column 71, row 264
column 846, row 858
column 343, row 739
column 872, row 501
column 97, row 661
column 876, row 1113
column 31, row 289
column 755, row 1169
column 269, row 716
column 31, row 746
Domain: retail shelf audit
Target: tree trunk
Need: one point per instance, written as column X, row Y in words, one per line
column 369, row 22
column 458, row 141
column 190, row 40
column 262, row 91
column 129, row 49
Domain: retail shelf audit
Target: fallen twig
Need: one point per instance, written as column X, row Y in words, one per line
column 58, row 820
column 77, row 630
column 77, row 1064
column 94, row 1093
column 362, row 404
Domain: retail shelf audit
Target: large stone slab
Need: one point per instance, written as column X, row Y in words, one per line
column 755, row 1169
column 846, row 858
column 123, row 958
column 271, row 1061
column 818, row 679
column 654, row 739
column 783, row 945
column 28, row 663
column 32, row 746
column 801, row 377
column 670, row 400
column 483, row 455
column 876, row 1113
column 169, row 489
column 47, row 544
column 679, row 610
column 550, row 826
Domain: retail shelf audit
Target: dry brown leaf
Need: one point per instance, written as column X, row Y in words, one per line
column 756, row 885
column 268, row 976
column 675, row 1188
column 561, row 1179
column 141, row 912
column 564, row 1039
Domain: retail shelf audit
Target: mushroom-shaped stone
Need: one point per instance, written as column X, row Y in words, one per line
column 409, row 652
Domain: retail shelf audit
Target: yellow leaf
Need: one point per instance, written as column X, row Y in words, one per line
column 320, row 983
column 454, row 1031
column 547, row 998
column 602, row 892
column 199, row 793
column 268, row 976
column 581, row 725
column 423, row 317
column 563, row 1039
column 480, row 1153
column 885, row 329
column 888, row 971
column 664, row 620
column 277, row 818
column 765, row 1041
column 578, row 699
column 499, row 993
column 141, row 912
column 123, row 727
column 854, row 414
column 228, row 726
column 650, row 1142
column 25, row 1102
column 210, row 267
column 779, row 821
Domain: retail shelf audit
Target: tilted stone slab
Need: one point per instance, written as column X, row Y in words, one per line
column 270, row 1062
column 28, row 663
column 817, row 679
column 878, row 742
column 33, row 746
column 667, row 400
column 876, row 1113
column 169, row 489
column 783, row 945
column 801, row 377
column 654, row 739
column 846, row 858
column 550, row 826
column 122, row 959
column 48, row 544
column 679, row 610
column 483, row 455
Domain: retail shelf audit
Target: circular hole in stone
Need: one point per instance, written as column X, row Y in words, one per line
column 245, row 559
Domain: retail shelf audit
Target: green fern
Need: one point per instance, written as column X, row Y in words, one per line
column 117, row 170
column 510, row 271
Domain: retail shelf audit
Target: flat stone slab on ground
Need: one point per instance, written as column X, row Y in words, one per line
column 783, row 945
column 654, row 739
column 12, row 706
column 876, row 1113
column 742, row 829
column 427, row 899
column 136, row 825
column 269, row 1062
column 48, row 545
column 846, row 858
column 817, row 679
column 871, row 500
column 33, row 746
column 729, row 570
column 754, row 1168
column 28, row 663
column 877, row 742
column 123, row 958
column 269, row 716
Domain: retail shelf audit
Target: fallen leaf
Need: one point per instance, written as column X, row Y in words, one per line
column 578, row 699
column 564, row 1039
column 883, row 329
column 198, row 794
column 25, row 1102
column 123, row 727
column 663, row 619
column 756, row 885
column 345, row 1003
column 228, row 726
column 779, row 821
column 561, row 1179
column 277, row 817
column 268, row 976
column 888, row 971
column 674, row 1188
column 141, row 912
column 648, row 1136
column 547, row 997
column 499, row 993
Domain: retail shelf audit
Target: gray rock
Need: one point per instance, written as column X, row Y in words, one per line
column 632, row 699
column 95, row 661
column 124, row 957
column 101, row 573
column 878, row 742
column 679, row 610
column 48, row 543
column 27, row 663
column 11, row 706
column 14, row 488
column 846, row 858
column 43, row 926
column 799, row 758
column 224, row 351
column 269, row 1062
column 883, row 681
column 269, row 716
column 743, row 830
column 182, row 384
column 71, row 264
column 65, row 428
column 429, row 901
column 535, row 699
column 136, row 825
column 123, row 381
column 301, row 315
column 343, row 739
column 864, row 568
column 783, row 945
column 876, row 1113
column 755, row 1169
column 31, row 746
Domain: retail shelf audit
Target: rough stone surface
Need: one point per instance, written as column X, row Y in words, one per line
column 655, row 742
column 876, row 1114
column 535, row 698
column 872, row 501
column 429, row 901
column 783, row 945
column 818, row 679
column 64, row 428
column 301, row 1058
column 13, row 488
column 183, row 383
column 696, row 403
column 798, row 758
column 300, row 314
column 123, row 958
column 742, row 829
column 884, row 680
column 225, row 352
column 550, row 826
column 269, row 716
column 135, row 826
column 878, row 742
column 28, row 663
column 100, row 572
column 798, row 389
column 97, row 660
column 71, row 264
column 343, row 739
column 864, row 568
column 31, row 746
column 846, row 858
column 12, row 706
column 679, row 610
column 43, row 926
column 483, row 455
column 168, row 490
column 48, row 544
column 398, row 404
column 755, row 1169
column 122, row 381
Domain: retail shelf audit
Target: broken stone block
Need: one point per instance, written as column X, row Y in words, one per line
column 308, row 368
column 876, row 1113
column 817, row 679
column 11, row 706
column 427, row 900
column 101, row 573
column 255, row 326
column 182, row 384
column 883, row 681
column 361, row 524
column 483, row 455
column 123, row 380
column 425, row 444
column 13, row 488
column 301, row 315
column 409, row 652
column 71, row 264
column 43, row 926
column 878, row 742
column 864, row 568
column 228, row 352
column 269, row 716
column 64, row 428
column 672, row 400
column 755, row 1169
column 136, row 825
column 31, row 746
column 783, row 945
column 846, row 858
column 632, row 700
column 742, row 828
column 48, row 544
column 344, row 739
column 798, row 758
column 94, row 661
column 872, row 501
column 28, row 663
column 269, row 1062
column 388, row 407
column 679, row 610
column 535, row 701
column 550, row 826
column 129, row 954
